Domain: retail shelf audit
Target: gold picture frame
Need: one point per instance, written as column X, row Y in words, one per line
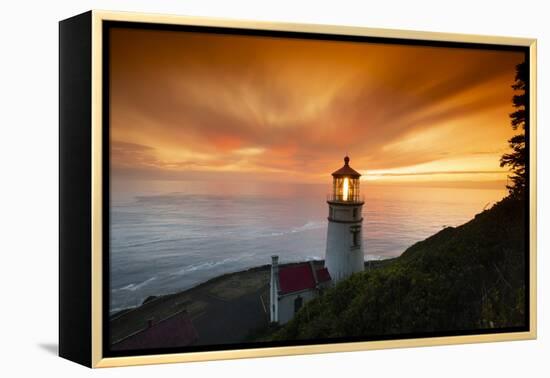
column 81, row 244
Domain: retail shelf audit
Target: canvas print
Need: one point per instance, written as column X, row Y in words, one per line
column 277, row 189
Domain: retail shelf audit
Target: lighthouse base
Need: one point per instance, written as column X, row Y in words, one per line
column 343, row 257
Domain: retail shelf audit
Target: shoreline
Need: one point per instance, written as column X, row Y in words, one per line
column 182, row 291
column 239, row 298
column 118, row 311
column 225, row 275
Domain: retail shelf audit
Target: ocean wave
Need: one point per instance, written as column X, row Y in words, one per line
column 313, row 258
column 160, row 241
column 377, row 257
column 308, row 226
column 136, row 286
column 209, row 265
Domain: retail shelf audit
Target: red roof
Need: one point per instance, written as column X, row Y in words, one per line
column 323, row 275
column 300, row 277
column 175, row 331
column 346, row 170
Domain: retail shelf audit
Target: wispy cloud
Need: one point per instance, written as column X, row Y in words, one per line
column 188, row 102
column 435, row 173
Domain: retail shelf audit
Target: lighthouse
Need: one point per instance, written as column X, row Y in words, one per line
column 344, row 251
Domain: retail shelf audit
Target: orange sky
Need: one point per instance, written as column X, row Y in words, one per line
column 202, row 106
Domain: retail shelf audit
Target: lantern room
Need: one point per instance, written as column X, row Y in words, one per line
column 345, row 185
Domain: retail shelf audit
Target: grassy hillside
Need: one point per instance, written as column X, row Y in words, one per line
column 466, row 278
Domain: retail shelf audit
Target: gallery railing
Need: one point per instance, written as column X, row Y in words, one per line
column 350, row 198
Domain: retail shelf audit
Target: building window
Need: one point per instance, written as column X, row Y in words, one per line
column 355, row 211
column 355, row 236
column 298, row 302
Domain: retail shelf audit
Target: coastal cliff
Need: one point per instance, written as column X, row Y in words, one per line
column 466, row 278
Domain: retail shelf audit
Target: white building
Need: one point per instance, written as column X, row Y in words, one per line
column 344, row 251
column 292, row 286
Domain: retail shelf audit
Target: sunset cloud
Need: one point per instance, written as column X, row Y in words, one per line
column 187, row 105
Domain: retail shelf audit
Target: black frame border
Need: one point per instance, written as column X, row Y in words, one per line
column 75, row 184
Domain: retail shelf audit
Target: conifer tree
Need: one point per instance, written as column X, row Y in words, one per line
column 516, row 159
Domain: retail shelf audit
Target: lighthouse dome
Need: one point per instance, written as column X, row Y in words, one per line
column 346, row 170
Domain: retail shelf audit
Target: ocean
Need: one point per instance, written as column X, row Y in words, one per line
column 173, row 237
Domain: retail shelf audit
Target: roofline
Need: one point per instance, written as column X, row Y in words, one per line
column 141, row 330
column 297, row 292
column 356, row 174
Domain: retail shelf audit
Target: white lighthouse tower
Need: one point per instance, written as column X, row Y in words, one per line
column 344, row 253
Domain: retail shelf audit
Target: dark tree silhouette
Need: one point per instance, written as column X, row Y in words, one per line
column 516, row 159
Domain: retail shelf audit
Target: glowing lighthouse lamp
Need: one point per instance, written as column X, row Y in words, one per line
column 344, row 250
